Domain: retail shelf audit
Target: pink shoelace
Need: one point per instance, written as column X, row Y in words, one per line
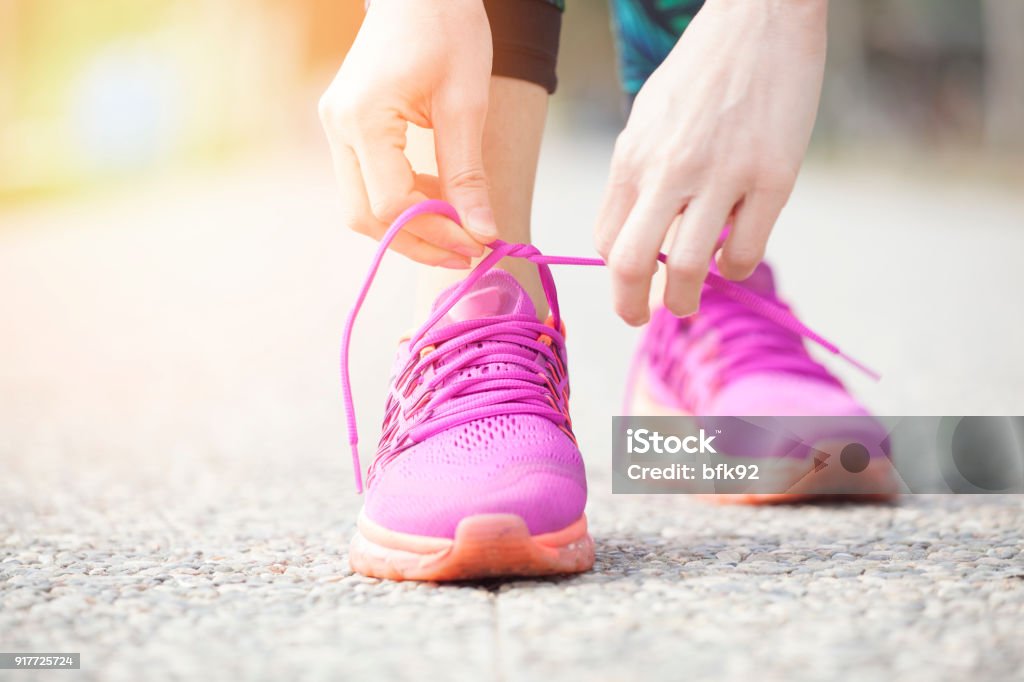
column 521, row 390
column 444, row 384
column 725, row 341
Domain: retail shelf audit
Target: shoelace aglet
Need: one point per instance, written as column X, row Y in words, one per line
column 357, row 467
column 875, row 376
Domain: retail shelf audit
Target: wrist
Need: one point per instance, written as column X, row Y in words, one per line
column 803, row 22
column 459, row 14
column 437, row 4
column 795, row 8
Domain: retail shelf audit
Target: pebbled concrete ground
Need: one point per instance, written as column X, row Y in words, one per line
column 175, row 497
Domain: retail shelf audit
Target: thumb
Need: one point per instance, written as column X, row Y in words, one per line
column 458, row 140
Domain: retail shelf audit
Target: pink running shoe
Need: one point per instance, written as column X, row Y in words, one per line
column 735, row 359
column 477, row 472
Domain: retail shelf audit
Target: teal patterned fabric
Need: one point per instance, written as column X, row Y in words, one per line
column 645, row 32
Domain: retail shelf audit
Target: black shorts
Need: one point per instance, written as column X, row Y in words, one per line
column 526, row 32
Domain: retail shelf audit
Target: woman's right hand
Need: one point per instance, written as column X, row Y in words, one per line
column 426, row 62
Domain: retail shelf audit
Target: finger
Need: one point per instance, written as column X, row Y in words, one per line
column 439, row 230
column 619, row 198
column 458, row 139
column 428, row 184
column 744, row 247
column 633, row 259
column 692, row 248
column 357, row 216
column 355, row 209
column 387, row 174
column 656, row 296
column 421, row 251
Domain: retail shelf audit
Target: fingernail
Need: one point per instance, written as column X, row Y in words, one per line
column 481, row 221
column 468, row 250
column 455, row 264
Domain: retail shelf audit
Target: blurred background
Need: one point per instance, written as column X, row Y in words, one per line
column 99, row 92
column 173, row 269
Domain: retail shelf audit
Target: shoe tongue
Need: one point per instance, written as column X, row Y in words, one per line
column 496, row 293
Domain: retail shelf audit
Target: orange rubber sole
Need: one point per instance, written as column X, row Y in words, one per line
column 484, row 546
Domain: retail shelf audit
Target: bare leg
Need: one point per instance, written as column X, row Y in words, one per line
column 512, row 137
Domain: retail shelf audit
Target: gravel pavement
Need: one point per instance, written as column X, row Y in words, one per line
column 175, row 499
